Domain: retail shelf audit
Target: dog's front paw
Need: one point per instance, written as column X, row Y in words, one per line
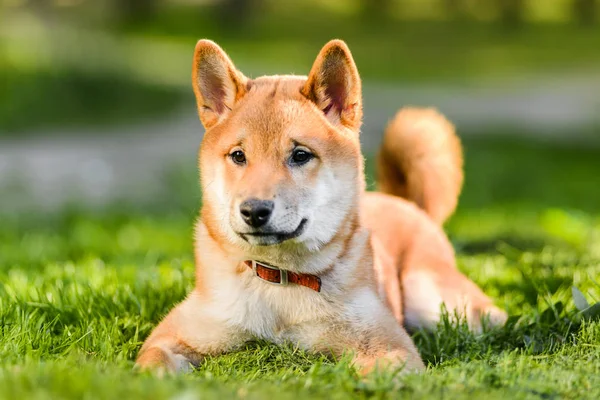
column 489, row 316
column 406, row 361
column 161, row 363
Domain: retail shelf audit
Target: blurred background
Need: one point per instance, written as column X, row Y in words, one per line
column 96, row 106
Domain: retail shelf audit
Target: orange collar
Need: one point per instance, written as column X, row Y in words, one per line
column 283, row 277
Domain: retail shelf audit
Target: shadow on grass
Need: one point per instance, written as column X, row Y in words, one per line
column 70, row 99
column 496, row 244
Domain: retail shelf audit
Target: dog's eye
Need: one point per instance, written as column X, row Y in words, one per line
column 238, row 157
column 300, row 156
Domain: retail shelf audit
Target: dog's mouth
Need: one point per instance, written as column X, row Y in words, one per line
column 268, row 238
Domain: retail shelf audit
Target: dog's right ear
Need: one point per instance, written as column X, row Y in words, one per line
column 218, row 85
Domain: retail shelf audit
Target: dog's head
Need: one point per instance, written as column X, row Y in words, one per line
column 280, row 162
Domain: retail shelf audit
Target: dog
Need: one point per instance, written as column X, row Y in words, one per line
column 289, row 246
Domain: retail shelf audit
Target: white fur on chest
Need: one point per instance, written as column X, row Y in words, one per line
column 267, row 311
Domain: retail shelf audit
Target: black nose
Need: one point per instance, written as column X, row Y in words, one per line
column 256, row 212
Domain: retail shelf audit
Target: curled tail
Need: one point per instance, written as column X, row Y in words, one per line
column 421, row 160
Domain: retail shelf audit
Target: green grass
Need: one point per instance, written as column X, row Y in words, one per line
column 81, row 289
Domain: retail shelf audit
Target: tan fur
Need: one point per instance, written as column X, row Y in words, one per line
column 383, row 262
column 421, row 160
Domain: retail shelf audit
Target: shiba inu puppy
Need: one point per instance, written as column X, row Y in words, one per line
column 290, row 248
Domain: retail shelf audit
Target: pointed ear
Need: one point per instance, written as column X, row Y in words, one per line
column 334, row 85
column 217, row 84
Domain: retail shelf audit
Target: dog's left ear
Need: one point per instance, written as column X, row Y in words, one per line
column 334, row 85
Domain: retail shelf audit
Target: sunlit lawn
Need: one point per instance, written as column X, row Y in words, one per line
column 80, row 290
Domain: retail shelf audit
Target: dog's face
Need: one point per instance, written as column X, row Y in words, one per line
column 280, row 162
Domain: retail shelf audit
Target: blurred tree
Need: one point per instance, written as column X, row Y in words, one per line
column 585, row 11
column 41, row 6
column 511, row 11
column 236, row 13
column 135, row 10
column 456, row 9
column 376, row 9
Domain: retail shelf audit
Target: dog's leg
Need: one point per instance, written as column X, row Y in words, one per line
column 383, row 345
column 185, row 336
column 429, row 278
column 376, row 337
column 367, row 330
column 426, row 288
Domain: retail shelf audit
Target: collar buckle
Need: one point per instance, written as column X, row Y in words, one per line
column 283, row 274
